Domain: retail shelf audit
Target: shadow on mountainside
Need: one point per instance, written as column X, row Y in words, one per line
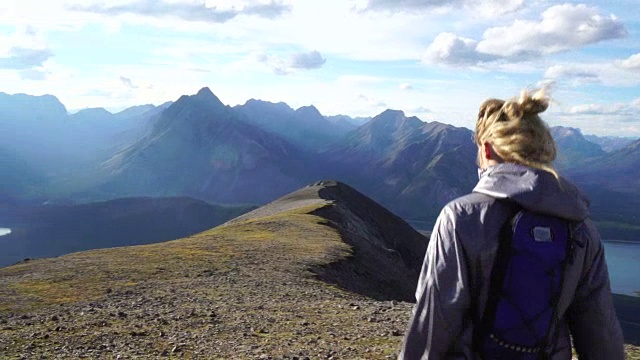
column 387, row 252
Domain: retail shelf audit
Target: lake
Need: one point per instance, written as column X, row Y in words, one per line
column 5, row 231
column 623, row 260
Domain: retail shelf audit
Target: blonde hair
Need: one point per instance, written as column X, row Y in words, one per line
column 516, row 132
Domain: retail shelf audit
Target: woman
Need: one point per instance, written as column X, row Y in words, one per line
column 515, row 155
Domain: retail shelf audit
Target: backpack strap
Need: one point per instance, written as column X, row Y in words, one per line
column 497, row 272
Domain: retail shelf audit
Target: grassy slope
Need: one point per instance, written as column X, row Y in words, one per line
column 248, row 271
column 239, row 290
column 53, row 230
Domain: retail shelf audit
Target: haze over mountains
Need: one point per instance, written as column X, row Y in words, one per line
column 253, row 153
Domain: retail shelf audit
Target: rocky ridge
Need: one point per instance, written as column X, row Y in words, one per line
column 263, row 286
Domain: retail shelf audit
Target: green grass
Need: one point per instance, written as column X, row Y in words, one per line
column 291, row 242
column 295, row 235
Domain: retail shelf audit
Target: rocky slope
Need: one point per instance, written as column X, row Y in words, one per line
column 268, row 285
column 285, row 281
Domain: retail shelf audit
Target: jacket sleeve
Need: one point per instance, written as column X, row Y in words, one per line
column 591, row 316
column 442, row 295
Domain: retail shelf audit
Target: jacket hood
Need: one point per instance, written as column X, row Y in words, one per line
column 535, row 190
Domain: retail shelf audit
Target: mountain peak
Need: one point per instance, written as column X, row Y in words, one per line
column 48, row 104
column 204, row 97
column 391, row 112
column 263, row 104
column 98, row 111
column 564, row 131
column 205, row 92
column 310, row 113
column 395, row 119
column 308, row 109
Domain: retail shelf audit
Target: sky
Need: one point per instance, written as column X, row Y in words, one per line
column 434, row 59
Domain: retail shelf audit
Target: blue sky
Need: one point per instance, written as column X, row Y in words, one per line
column 436, row 59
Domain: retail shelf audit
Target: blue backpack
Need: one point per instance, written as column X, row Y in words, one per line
column 526, row 283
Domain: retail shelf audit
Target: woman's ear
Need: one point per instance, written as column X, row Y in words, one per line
column 487, row 151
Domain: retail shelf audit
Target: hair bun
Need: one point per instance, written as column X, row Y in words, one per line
column 533, row 104
column 512, row 110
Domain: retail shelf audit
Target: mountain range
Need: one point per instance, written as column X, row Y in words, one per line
column 320, row 269
column 253, row 153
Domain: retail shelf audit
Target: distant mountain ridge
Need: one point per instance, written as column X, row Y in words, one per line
column 618, row 170
column 255, row 152
column 304, row 127
column 200, row 147
column 58, row 146
column 610, row 143
column 573, row 147
column 411, row 166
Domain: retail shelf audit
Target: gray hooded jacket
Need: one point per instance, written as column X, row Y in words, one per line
column 454, row 283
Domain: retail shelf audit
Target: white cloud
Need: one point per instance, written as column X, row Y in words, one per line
column 189, row 11
column 405, row 86
column 26, row 52
column 571, row 71
column 310, row 60
column 602, row 118
column 607, row 74
column 562, row 27
column 127, row 82
column 449, row 49
column 595, row 109
column 22, row 58
column 33, row 74
column 632, row 63
column 420, row 110
column 372, row 102
column 292, row 62
column 484, row 7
